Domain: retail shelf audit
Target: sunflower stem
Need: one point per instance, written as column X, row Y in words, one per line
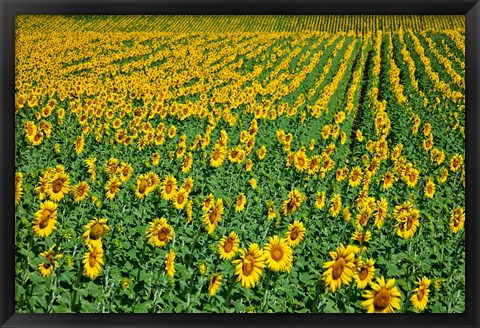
column 229, row 292
column 75, row 289
column 267, row 285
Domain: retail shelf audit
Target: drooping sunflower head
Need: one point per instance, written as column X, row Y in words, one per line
column 93, row 261
column 18, row 187
column 295, row 233
column 170, row 264
column 213, row 216
column 228, row 246
column 382, row 298
column 249, row 267
column 45, row 219
column 96, row 229
column 215, row 282
column 278, row 254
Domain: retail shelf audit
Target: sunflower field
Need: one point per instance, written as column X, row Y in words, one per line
column 220, row 164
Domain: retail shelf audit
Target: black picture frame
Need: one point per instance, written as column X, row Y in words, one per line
column 469, row 8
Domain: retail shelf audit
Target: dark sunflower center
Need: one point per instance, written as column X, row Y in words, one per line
column 228, row 246
column 276, row 253
column 338, row 268
column 46, row 266
column 57, row 186
column 456, row 222
column 37, row 137
column 420, row 293
column 163, row 234
column 409, row 223
column 363, row 273
column 381, row 300
column 456, row 162
column 216, row 154
column 213, row 216
column 180, row 198
column 96, row 231
column 301, row 161
column 294, row 233
column 45, row 218
column 412, row 177
column 142, row 187
column 168, row 188
column 30, row 130
column 92, row 260
column 248, row 265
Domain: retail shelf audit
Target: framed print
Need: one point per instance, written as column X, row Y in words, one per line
column 193, row 163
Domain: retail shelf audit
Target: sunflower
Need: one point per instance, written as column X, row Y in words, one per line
column 262, row 152
column 219, row 154
column 37, row 138
column 93, row 261
column 46, row 268
column 142, row 190
column 96, row 229
column 189, row 211
column 388, row 180
column 18, row 187
column 45, row 219
column 383, row 298
column 187, row 184
column 278, row 254
column 412, row 178
column 208, row 202
column 124, row 171
column 359, row 135
column 58, row 186
column 295, row 233
column 407, row 224
column 180, row 199
column 240, row 203
column 169, row 187
column 30, row 129
column 420, row 297
column 249, row 267
column 381, row 212
column 292, row 203
column 365, row 273
column 248, row 165
column 79, row 145
column 253, row 183
column 430, row 188
column 346, row 213
column 300, row 160
column 170, row 264
column 111, row 165
column 160, row 232
column 456, row 162
column 213, row 216
column 341, row 269
column 228, row 246
column 362, row 237
column 428, row 143
column 443, row 176
column 355, row 177
column 457, row 220
column 320, row 200
column 91, row 167
column 336, row 205
column 215, row 282
column 112, row 187
column 80, row 191
column 187, row 163
column 153, row 181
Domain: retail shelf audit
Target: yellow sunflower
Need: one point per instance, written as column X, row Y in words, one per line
column 160, row 232
column 125, row 171
column 320, row 200
column 58, row 186
column 46, row 268
column 228, row 246
column 213, row 216
column 91, row 167
column 430, row 188
column 355, row 177
column 215, row 282
column 341, row 269
column 412, row 178
column 420, row 297
column 381, row 212
column 457, row 220
column 142, row 190
column 79, row 145
column 170, row 264
column 249, row 267
column 187, row 163
column 96, row 229
column 388, row 180
column 93, row 261
column 168, row 188
column 271, row 211
column 456, row 162
column 408, row 224
column 278, row 254
column 45, row 219
column 18, row 187
column 336, row 205
column 300, row 160
column 382, row 298
column 80, row 191
column 187, row 184
column 262, row 152
column 443, row 176
column 240, row 203
column 295, row 233
column 365, row 273
column 112, row 187
column 208, row 203
column 180, row 199
column 292, row 203
column 219, row 154
column 253, row 183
